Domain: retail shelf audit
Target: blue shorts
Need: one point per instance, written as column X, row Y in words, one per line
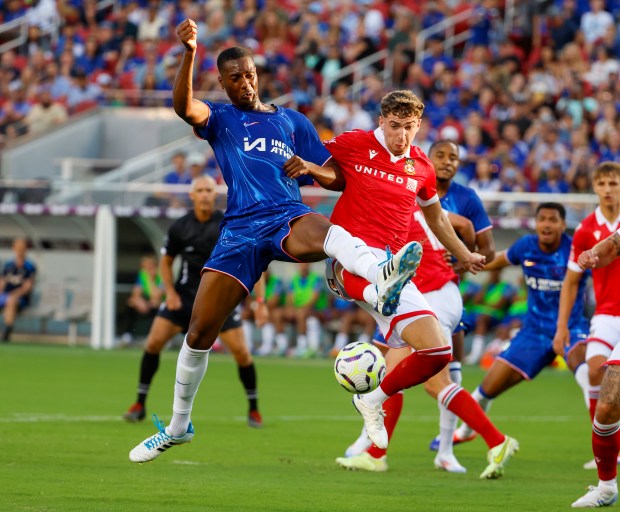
column 247, row 246
column 24, row 300
column 530, row 351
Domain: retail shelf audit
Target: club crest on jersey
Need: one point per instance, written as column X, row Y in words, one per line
column 410, row 166
column 597, row 235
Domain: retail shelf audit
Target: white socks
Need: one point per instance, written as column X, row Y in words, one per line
column 583, row 379
column 447, row 424
column 191, row 368
column 352, row 253
column 456, row 375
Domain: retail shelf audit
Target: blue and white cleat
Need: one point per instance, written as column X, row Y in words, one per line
column 157, row 444
column 599, row 496
column 394, row 275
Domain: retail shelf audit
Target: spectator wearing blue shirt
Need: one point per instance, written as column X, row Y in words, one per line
column 553, row 181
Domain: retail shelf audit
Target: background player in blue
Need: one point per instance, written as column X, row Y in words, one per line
column 16, row 283
column 257, row 147
column 464, row 201
column 543, row 258
column 192, row 237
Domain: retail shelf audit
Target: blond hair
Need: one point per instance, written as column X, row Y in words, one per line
column 606, row 169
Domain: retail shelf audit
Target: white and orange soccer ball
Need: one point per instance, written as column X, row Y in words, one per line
column 359, row 367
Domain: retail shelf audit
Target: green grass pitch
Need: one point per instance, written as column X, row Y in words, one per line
column 65, row 447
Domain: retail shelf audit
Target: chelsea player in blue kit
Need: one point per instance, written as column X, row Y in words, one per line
column 543, row 258
column 264, row 152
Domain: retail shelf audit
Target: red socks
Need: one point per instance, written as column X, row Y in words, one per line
column 461, row 403
column 416, row 368
column 605, row 446
column 354, row 285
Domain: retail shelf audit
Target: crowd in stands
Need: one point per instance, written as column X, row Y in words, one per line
column 532, row 97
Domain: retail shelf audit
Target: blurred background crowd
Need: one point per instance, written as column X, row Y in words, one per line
column 533, row 103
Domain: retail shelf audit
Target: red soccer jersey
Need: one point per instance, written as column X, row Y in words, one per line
column 433, row 273
column 592, row 230
column 381, row 189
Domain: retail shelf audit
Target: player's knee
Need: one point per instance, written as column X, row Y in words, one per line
column 202, row 335
column 607, row 413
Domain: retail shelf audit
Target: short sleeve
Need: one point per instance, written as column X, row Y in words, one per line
column 478, row 215
column 172, row 245
column 581, row 242
column 515, row 252
column 308, row 145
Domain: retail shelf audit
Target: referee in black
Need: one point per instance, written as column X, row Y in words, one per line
column 193, row 237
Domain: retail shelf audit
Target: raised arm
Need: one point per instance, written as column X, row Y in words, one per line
column 192, row 111
column 443, row 230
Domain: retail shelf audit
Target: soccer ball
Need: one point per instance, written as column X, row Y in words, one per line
column 359, row 367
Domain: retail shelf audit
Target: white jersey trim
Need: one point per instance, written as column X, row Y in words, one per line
column 574, row 267
column 427, row 202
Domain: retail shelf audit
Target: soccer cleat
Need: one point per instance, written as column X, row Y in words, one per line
column 498, row 457
column 365, row 462
column 255, row 420
column 135, row 413
column 157, row 444
column 449, row 463
column 600, row 496
column 373, row 421
column 359, row 446
column 591, row 464
column 394, row 275
column 456, row 439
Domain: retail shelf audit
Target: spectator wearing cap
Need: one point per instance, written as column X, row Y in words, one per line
column 196, row 165
column 46, row 113
column 82, row 93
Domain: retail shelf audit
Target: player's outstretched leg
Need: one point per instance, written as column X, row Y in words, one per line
column 394, row 274
column 152, row 447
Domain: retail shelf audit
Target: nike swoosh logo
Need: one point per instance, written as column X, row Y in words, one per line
column 250, row 124
column 498, row 459
column 182, row 383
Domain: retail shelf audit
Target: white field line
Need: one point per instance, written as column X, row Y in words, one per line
column 51, row 418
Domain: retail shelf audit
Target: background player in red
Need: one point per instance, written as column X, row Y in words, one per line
column 606, row 423
column 605, row 324
column 384, row 175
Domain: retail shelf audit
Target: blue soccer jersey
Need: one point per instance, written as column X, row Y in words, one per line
column 544, row 273
column 464, row 201
column 251, row 148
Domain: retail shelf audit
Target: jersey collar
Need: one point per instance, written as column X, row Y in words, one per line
column 381, row 140
column 600, row 219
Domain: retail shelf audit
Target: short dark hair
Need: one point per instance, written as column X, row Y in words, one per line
column 443, row 141
column 233, row 53
column 552, row 206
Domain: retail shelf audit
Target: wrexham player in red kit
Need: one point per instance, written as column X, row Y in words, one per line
column 382, row 175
